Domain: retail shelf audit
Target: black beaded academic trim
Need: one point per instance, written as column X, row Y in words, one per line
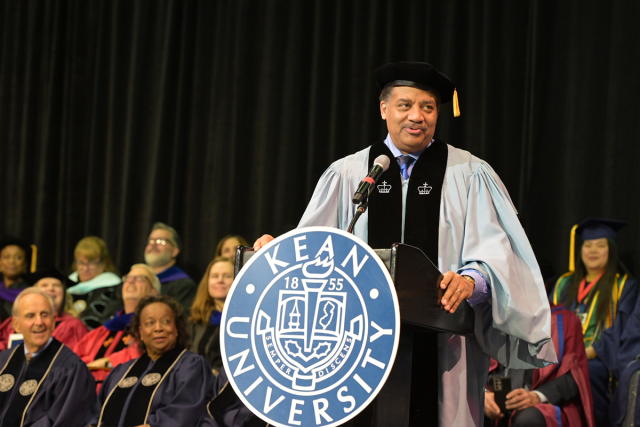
column 423, row 198
column 145, row 389
column 20, row 396
column 421, row 229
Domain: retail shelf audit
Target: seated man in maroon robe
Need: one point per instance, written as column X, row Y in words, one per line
column 68, row 329
column 558, row 395
column 43, row 383
column 111, row 344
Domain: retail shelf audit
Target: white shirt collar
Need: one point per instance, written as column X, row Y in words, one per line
column 40, row 350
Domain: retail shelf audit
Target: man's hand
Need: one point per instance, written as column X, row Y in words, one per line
column 491, row 408
column 520, row 399
column 458, row 289
column 262, row 241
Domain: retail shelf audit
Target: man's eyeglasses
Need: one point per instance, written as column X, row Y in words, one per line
column 160, row 242
column 90, row 264
column 138, row 279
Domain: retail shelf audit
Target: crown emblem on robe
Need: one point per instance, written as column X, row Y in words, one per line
column 384, row 188
column 424, row 189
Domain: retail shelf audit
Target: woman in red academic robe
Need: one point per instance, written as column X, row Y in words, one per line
column 69, row 329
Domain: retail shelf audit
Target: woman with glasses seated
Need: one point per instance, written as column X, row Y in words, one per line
column 206, row 311
column 168, row 385
column 112, row 344
column 98, row 293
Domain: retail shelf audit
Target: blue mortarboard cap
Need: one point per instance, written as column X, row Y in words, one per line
column 598, row 228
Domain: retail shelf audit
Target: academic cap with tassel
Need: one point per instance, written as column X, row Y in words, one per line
column 419, row 75
column 591, row 229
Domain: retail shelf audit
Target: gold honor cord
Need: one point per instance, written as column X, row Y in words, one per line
column 586, row 324
column 556, row 292
column 24, row 414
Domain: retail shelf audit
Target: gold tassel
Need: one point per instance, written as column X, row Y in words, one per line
column 34, row 258
column 456, row 105
column 572, row 249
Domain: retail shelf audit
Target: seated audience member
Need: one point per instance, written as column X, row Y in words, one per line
column 43, row 382
column 168, row 385
column 68, row 329
column 98, row 282
column 625, row 406
column 15, row 259
column 228, row 244
column 227, row 410
column 558, row 395
column 112, row 344
column 603, row 295
column 161, row 253
column 206, row 311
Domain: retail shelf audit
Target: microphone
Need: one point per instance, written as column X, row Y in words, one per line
column 380, row 165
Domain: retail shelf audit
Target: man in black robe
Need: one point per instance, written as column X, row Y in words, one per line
column 42, row 382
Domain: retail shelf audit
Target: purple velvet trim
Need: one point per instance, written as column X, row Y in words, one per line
column 8, row 294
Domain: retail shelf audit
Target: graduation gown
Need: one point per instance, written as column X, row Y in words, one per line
column 180, row 400
column 478, row 228
column 205, row 341
column 176, row 282
column 65, row 396
column 234, row 412
column 69, row 330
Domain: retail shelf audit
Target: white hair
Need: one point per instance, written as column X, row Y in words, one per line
column 28, row 291
column 155, row 282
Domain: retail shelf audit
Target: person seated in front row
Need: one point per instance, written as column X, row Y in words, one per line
column 558, row 395
column 15, row 259
column 603, row 294
column 226, row 409
column 98, row 293
column 43, row 383
column 206, row 311
column 161, row 254
column 168, row 385
column 228, row 244
column 68, row 329
column 112, row 344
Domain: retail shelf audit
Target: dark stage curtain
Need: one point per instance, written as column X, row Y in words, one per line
column 218, row 117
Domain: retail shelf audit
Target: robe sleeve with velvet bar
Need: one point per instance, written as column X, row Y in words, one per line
column 180, row 400
column 478, row 229
column 66, row 395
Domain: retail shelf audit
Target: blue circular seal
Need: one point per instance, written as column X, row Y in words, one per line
column 310, row 328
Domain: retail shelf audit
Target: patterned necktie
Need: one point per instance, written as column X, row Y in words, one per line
column 405, row 162
column 29, row 356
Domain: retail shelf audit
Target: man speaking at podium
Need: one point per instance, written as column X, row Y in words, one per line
column 454, row 207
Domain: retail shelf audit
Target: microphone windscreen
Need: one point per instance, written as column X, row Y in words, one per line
column 383, row 161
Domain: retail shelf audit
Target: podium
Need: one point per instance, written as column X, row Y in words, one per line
column 416, row 279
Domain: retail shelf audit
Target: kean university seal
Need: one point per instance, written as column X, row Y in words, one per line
column 311, row 327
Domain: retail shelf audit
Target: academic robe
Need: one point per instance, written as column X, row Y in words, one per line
column 90, row 345
column 614, row 343
column 180, row 400
column 566, row 334
column 65, row 396
column 176, row 282
column 205, row 341
column 235, row 413
column 625, row 408
column 478, row 229
column 69, row 330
